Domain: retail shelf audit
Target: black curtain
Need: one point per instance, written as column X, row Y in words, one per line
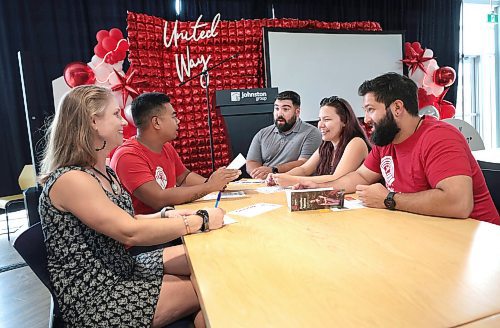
column 57, row 32
column 433, row 23
column 52, row 33
column 229, row 9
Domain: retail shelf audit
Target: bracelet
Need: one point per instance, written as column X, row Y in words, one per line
column 186, row 224
column 164, row 210
column 205, row 226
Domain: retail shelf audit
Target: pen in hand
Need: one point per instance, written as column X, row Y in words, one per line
column 218, row 199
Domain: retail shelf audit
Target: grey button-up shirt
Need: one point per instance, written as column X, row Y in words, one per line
column 271, row 148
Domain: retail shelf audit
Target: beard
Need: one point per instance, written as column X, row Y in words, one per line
column 284, row 127
column 385, row 131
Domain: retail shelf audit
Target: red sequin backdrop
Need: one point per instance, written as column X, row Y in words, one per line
column 156, row 64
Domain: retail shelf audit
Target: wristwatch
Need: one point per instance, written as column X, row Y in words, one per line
column 274, row 169
column 206, row 220
column 163, row 212
column 389, row 201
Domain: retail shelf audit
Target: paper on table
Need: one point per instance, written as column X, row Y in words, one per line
column 349, row 205
column 229, row 220
column 225, row 194
column 249, row 181
column 237, row 163
column 270, row 190
column 255, row 209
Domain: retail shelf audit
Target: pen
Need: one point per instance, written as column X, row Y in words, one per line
column 218, row 199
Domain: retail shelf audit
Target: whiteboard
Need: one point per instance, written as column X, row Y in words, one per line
column 319, row 64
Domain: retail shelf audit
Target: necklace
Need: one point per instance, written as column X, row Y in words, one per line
column 106, row 176
column 420, row 120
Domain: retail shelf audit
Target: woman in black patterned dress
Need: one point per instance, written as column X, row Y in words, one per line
column 87, row 218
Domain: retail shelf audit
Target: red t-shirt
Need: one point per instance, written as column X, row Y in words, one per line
column 136, row 164
column 436, row 151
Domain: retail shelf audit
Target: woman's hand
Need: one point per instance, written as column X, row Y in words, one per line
column 285, row 180
column 269, row 180
column 216, row 216
column 179, row 213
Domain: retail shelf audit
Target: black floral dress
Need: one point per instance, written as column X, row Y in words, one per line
column 97, row 282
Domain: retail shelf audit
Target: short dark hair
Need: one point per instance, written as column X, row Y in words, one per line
column 146, row 106
column 289, row 95
column 390, row 87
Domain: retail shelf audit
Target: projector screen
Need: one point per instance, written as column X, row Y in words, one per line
column 318, row 64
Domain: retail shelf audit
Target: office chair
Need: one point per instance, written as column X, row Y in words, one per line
column 31, row 246
column 492, row 178
column 26, row 180
column 471, row 135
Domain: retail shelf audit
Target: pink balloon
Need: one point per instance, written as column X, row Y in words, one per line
column 78, row 73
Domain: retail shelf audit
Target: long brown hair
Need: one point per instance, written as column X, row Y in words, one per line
column 329, row 156
column 70, row 137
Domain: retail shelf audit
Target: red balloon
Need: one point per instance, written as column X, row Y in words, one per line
column 446, row 110
column 444, row 76
column 116, row 34
column 123, row 45
column 99, row 51
column 78, row 73
column 120, row 55
column 101, row 35
column 111, row 58
column 109, row 43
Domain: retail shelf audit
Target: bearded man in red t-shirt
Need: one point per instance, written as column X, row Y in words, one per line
column 427, row 164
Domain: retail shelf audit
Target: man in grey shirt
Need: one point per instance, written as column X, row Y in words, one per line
column 286, row 144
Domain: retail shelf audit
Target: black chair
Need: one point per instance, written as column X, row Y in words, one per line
column 492, row 178
column 488, row 165
column 31, row 246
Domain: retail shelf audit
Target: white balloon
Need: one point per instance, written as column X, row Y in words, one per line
column 417, row 77
column 96, row 60
column 436, row 90
column 118, row 66
column 428, row 53
column 128, row 114
column 118, row 96
column 102, row 73
column 113, row 79
column 129, row 100
column 429, row 110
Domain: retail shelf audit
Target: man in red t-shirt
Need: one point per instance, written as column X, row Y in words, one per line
column 427, row 164
column 149, row 167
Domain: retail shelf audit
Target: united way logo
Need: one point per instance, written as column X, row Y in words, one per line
column 235, row 96
column 160, row 177
column 387, row 168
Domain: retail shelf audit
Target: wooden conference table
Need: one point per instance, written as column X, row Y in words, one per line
column 356, row 268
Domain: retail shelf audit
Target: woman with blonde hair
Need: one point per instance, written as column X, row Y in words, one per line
column 87, row 219
column 343, row 149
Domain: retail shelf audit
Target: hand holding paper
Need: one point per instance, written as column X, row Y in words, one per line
column 222, row 176
column 237, row 163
